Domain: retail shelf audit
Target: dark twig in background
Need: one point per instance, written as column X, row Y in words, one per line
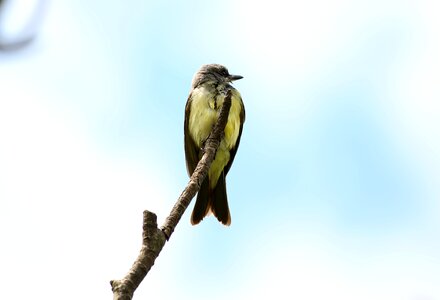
column 153, row 238
column 27, row 33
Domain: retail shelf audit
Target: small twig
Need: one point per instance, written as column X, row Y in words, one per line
column 154, row 238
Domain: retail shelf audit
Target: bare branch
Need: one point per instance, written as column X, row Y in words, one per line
column 154, row 238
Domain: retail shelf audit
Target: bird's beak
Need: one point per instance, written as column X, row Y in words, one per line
column 234, row 77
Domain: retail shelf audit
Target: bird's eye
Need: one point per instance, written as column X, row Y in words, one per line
column 224, row 72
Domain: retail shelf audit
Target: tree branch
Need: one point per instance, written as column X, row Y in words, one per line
column 153, row 238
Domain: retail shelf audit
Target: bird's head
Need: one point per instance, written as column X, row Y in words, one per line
column 214, row 73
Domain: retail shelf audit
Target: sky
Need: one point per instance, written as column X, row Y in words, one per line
column 334, row 192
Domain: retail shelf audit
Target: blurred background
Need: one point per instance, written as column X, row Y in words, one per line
column 335, row 189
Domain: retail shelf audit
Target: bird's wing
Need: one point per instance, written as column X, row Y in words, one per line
column 233, row 151
column 191, row 149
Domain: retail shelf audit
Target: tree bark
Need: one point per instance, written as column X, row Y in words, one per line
column 153, row 238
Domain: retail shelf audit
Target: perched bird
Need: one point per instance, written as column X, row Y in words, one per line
column 208, row 90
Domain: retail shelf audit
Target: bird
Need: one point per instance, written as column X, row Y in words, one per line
column 208, row 90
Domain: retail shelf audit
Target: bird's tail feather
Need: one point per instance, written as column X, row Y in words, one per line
column 215, row 201
column 201, row 208
column 219, row 201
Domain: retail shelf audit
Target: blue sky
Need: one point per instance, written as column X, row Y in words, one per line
column 334, row 192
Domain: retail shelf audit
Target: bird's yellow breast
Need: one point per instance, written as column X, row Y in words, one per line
column 204, row 112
